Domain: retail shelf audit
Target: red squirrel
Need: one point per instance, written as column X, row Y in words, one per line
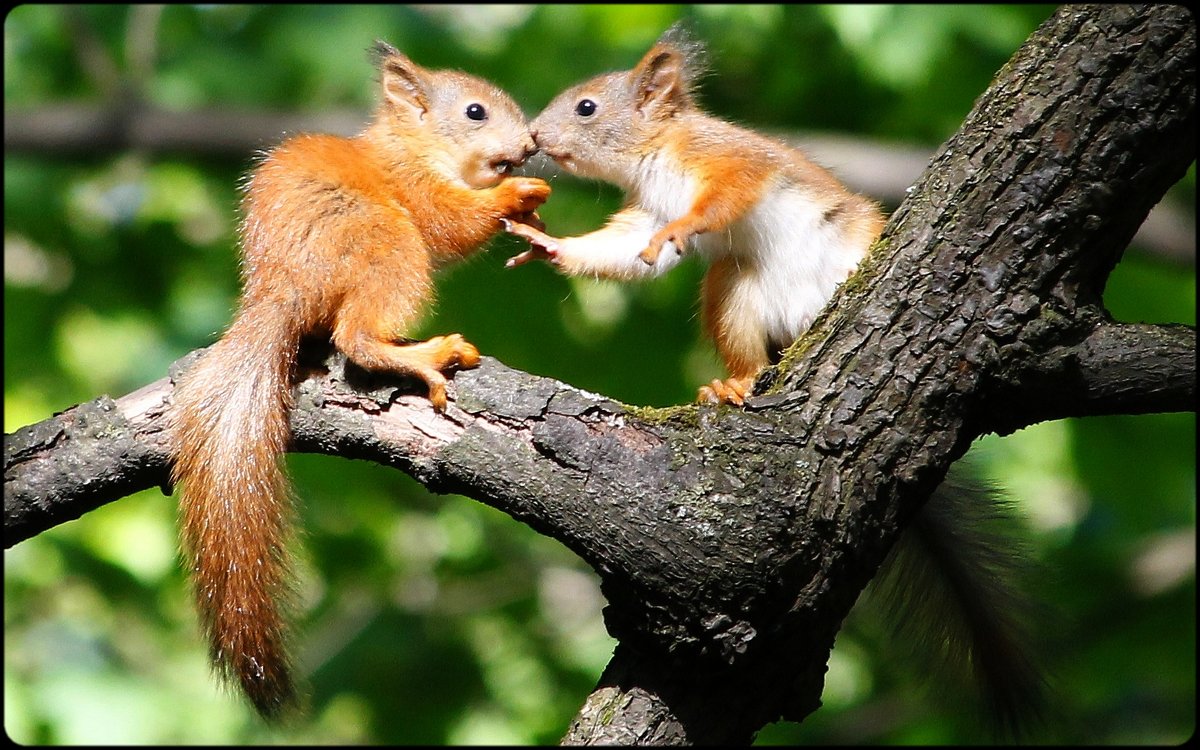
column 340, row 239
column 779, row 234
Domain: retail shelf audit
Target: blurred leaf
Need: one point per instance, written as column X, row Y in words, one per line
column 431, row 620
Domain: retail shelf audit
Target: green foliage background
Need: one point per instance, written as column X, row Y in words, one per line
column 429, row 619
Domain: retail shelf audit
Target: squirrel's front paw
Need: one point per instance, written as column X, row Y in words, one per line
column 541, row 245
column 530, row 218
column 649, row 256
column 674, row 233
column 525, row 194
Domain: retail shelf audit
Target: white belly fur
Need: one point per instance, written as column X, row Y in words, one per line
column 790, row 258
column 791, row 261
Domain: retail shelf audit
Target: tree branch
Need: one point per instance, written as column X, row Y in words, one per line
column 1135, row 369
column 1115, row 369
column 732, row 543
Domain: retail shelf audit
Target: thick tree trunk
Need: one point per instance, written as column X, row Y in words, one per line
column 732, row 543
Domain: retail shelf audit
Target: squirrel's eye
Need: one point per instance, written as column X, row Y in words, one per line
column 585, row 108
column 476, row 112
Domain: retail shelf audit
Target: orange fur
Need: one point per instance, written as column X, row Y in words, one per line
column 739, row 338
column 731, row 183
column 340, row 238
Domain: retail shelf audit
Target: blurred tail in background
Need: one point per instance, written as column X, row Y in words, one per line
column 952, row 591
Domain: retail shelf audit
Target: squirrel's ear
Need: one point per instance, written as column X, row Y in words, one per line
column 660, row 79
column 404, row 82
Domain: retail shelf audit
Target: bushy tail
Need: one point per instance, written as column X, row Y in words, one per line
column 229, row 426
column 951, row 586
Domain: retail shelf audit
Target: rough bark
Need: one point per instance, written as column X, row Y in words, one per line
column 731, row 543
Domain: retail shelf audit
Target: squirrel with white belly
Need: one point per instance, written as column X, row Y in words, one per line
column 778, row 231
column 779, row 234
column 339, row 240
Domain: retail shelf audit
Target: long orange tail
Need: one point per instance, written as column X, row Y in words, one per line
column 229, row 427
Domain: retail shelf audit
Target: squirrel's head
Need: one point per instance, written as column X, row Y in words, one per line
column 603, row 126
column 467, row 128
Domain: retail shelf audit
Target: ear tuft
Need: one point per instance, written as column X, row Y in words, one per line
column 404, row 82
column 692, row 53
column 380, row 51
column 667, row 75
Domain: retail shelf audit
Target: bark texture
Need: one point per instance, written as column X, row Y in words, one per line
column 732, row 543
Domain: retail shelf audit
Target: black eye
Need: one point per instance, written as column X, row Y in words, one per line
column 585, row 108
column 476, row 112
